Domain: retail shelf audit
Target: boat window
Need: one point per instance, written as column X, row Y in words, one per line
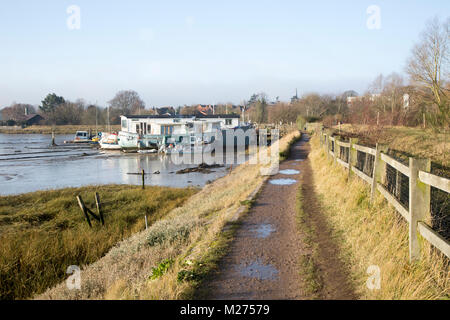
column 124, row 125
column 228, row 122
column 149, row 129
column 137, row 128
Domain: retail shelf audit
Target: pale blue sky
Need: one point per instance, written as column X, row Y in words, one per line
column 184, row 52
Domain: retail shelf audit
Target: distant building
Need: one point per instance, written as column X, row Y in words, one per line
column 205, row 109
column 295, row 98
column 165, row 111
column 31, row 119
column 351, row 101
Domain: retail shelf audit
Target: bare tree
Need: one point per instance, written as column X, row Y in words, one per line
column 429, row 63
column 127, row 102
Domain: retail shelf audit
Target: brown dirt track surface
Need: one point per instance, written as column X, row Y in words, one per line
column 263, row 260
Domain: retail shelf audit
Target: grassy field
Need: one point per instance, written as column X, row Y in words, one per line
column 42, row 233
column 171, row 259
column 410, row 141
column 66, row 129
column 374, row 234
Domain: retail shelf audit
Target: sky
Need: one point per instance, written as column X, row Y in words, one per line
column 188, row 52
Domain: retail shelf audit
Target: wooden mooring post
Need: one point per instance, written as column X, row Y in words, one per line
column 87, row 211
column 143, row 179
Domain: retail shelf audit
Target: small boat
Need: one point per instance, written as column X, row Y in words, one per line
column 148, row 151
column 109, row 141
column 81, row 137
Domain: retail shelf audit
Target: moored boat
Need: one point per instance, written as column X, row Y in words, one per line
column 109, row 141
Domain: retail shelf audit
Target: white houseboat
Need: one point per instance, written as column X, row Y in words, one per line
column 160, row 131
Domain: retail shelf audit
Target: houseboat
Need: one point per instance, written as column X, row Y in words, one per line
column 166, row 131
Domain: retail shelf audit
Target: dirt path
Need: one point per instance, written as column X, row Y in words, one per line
column 263, row 262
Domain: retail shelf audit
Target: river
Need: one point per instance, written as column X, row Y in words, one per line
column 28, row 163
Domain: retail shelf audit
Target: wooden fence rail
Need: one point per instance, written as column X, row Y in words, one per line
column 418, row 212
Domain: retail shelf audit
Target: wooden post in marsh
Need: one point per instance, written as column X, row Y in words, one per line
column 379, row 169
column 143, row 179
column 53, row 138
column 84, row 209
column 99, row 208
column 352, row 154
column 419, row 203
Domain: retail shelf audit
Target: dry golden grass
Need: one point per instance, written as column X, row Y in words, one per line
column 191, row 235
column 374, row 234
column 42, row 233
column 60, row 129
column 411, row 141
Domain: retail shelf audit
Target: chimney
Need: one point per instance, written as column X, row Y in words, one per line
column 26, row 111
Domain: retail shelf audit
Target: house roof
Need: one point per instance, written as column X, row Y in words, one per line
column 183, row 116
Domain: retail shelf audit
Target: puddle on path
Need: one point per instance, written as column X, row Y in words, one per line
column 258, row 270
column 300, row 160
column 283, row 182
column 263, row 230
column 289, row 171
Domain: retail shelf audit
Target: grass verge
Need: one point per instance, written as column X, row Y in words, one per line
column 308, row 262
column 374, row 234
column 42, row 233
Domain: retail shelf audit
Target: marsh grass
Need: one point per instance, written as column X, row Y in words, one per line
column 375, row 234
column 42, row 233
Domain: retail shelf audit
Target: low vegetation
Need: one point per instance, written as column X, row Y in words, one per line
column 374, row 234
column 193, row 237
column 42, row 233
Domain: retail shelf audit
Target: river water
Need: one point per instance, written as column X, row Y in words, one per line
column 28, row 163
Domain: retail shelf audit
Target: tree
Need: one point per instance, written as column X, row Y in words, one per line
column 50, row 103
column 428, row 66
column 127, row 102
column 17, row 111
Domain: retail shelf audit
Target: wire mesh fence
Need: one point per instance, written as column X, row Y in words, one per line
column 344, row 153
column 398, row 185
column 365, row 163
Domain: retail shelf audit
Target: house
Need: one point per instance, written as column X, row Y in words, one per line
column 32, row 119
column 146, row 130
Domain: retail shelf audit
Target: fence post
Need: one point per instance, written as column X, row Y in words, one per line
column 351, row 155
column 378, row 167
column 419, row 203
column 337, row 148
column 328, row 144
column 321, row 136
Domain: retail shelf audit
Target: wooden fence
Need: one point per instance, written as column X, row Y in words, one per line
column 372, row 164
